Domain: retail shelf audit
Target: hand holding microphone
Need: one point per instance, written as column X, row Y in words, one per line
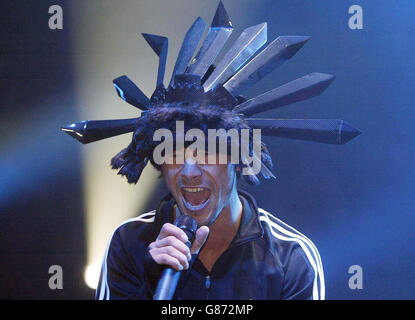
column 171, row 249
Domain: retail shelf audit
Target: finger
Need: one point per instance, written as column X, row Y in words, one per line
column 167, row 260
column 201, row 235
column 173, row 242
column 173, row 252
column 169, row 229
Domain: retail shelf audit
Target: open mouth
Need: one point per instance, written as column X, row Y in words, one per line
column 195, row 198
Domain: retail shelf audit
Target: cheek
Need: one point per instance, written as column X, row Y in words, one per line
column 231, row 176
column 223, row 177
column 169, row 179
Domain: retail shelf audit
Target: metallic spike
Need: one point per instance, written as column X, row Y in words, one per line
column 89, row 131
column 160, row 46
column 221, row 18
column 189, row 46
column 222, row 97
column 274, row 55
column 130, row 93
column 248, row 43
column 331, row 131
column 300, row 89
column 219, row 32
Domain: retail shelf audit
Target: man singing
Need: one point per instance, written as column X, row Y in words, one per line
column 240, row 251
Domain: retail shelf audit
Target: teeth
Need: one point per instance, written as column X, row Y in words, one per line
column 195, row 208
column 193, row 189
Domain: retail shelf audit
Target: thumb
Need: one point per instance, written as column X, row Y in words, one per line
column 200, row 238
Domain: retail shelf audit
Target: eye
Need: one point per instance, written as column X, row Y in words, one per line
column 216, row 159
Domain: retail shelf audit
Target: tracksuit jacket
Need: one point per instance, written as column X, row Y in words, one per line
column 267, row 259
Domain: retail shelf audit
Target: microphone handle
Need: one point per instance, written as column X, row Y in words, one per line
column 167, row 284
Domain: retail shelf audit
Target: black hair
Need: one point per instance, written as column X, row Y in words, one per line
column 132, row 160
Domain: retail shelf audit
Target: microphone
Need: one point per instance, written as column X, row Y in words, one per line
column 170, row 277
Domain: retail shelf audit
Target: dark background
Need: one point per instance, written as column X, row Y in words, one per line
column 354, row 201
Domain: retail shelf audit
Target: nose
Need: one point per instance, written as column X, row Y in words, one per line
column 190, row 173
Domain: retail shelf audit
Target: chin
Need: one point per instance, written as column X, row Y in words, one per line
column 203, row 217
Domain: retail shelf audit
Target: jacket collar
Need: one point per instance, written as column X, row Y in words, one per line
column 249, row 229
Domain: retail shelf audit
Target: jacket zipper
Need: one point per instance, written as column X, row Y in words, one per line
column 207, row 285
column 207, row 282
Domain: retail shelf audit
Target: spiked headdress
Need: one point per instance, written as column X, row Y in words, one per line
column 213, row 91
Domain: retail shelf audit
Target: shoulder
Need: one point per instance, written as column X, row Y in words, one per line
column 123, row 254
column 137, row 224
column 139, row 228
column 299, row 257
